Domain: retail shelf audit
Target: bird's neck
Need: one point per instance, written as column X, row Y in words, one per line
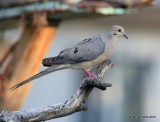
column 109, row 39
column 108, row 36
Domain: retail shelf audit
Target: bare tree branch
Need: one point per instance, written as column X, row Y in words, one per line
column 75, row 104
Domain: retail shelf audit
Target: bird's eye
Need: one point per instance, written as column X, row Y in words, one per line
column 119, row 30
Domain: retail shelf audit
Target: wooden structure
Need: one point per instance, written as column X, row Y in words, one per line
column 25, row 61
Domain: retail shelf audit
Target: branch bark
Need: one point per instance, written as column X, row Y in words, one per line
column 75, row 104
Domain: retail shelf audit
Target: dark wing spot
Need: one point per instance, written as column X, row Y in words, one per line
column 86, row 40
column 76, row 50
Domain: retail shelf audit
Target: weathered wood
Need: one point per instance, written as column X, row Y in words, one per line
column 75, row 104
column 26, row 61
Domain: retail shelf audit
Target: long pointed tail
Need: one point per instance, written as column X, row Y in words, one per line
column 42, row 73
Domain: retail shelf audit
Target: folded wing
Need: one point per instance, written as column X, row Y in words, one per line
column 87, row 49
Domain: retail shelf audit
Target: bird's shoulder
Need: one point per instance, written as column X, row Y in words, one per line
column 94, row 39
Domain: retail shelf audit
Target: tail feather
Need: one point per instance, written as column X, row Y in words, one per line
column 54, row 61
column 42, row 73
column 48, row 61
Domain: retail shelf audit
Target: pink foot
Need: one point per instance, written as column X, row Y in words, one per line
column 90, row 74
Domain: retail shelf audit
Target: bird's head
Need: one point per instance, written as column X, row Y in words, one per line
column 118, row 31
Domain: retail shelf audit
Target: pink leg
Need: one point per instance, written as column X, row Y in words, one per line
column 90, row 74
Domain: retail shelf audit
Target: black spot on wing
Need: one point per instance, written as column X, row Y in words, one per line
column 76, row 50
column 86, row 40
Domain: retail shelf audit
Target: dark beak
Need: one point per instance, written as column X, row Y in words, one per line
column 125, row 36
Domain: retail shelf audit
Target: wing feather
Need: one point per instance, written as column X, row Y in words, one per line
column 85, row 50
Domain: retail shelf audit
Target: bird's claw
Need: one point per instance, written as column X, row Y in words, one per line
column 90, row 74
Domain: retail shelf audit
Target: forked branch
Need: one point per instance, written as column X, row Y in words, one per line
column 75, row 104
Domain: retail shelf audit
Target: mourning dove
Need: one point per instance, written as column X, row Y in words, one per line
column 86, row 55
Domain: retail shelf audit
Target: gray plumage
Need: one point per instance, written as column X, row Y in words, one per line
column 85, row 55
column 86, row 50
